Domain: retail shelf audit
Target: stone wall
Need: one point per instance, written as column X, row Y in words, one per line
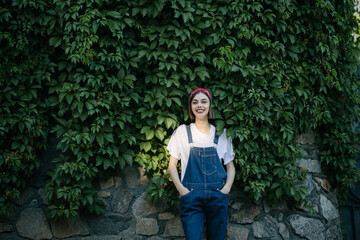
column 130, row 216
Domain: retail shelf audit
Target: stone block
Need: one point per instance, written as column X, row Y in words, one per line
column 109, row 224
column 118, row 181
column 104, row 194
column 129, row 234
column 309, row 184
column 146, row 226
column 306, row 138
column 34, row 203
column 310, row 152
column 155, row 238
column 165, row 216
column 328, row 210
column 143, row 180
column 26, row 196
column 11, row 236
column 312, row 166
column 143, row 207
column 265, row 228
column 280, row 217
column 67, row 228
column 131, row 237
column 107, row 183
column 6, row 227
column 121, row 200
column 324, row 183
column 280, row 205
column 310, row 228
column 246, row 215
column 32, row 224
column 284, row 232
column 131, row 177
column 104, row 237
column 311, row 206
column 237, row 205
column 162, row 205
column 237, row 232
column 42, row 194
column 333, row 233
column 173, row 228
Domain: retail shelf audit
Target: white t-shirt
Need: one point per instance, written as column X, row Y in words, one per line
column 179, row 146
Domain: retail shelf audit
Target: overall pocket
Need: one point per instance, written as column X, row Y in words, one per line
column 209, row 164
column 184, row 196
column 224, row 194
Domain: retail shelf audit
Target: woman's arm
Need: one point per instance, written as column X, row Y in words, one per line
column 175, row 176
column 230, row 167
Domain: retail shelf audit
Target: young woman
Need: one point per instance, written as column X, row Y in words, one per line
column 204, row 183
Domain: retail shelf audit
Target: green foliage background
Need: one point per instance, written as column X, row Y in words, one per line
column 110, row 79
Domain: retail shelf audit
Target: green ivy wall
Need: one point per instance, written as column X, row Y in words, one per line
column 110, row 79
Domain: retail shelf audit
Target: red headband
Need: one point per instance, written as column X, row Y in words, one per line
column 200, row 89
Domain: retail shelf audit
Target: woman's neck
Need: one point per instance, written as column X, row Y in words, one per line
column 203, row 125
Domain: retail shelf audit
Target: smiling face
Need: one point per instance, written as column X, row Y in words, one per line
column 200, row 106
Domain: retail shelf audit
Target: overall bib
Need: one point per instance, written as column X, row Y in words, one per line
column 204, row 177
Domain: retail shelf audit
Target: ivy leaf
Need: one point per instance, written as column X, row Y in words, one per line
column 149, row 134
column 146, row 146
column 113, row 14
column 100, row 139
column 159, row 134
column 128, row 158
column 55, row 41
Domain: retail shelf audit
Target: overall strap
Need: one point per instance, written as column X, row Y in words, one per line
column 188, row 130
column 190, row 140
column 216, row 138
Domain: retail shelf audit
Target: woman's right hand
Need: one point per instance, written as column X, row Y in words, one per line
column 184, row 191
column 174, row 174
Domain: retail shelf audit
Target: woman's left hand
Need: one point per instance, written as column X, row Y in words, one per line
column 230, row 167
column 225, row 190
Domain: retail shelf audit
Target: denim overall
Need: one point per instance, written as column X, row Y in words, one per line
column 204, row 177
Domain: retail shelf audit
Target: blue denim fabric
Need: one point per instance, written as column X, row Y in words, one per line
column 200, row 204
column 204, row 169
column 204, row 177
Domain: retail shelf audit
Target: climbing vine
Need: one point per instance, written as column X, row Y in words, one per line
column 110, row 80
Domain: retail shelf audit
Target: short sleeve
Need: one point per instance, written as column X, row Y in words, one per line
column 225, row 148
column 173, row 146
column 230, row 155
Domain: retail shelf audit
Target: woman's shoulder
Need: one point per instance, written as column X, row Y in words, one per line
column 182, row 127
column 224, row 136
column 180, row 130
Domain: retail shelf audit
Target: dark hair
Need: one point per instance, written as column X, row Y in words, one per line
column 191, row 97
